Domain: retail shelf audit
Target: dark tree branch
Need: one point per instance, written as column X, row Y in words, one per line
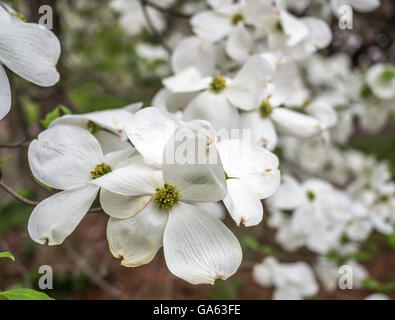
column 20, row 144
column 24, row 200
column 164, row 10
column 152, row 28
column 92, row 274
column 13, row 193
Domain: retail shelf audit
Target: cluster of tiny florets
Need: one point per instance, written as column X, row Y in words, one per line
column 310, row 195
column 236, row 18
column 218, row 84
column 387, row 76
column 101, row 170
column 167, row 196
column 93, row 127
column 265, row 109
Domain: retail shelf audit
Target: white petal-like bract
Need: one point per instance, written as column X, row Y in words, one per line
column 56, row 217
column 199, row 248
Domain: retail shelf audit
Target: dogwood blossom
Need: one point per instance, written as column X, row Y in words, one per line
column 381, row 80
column 271, row 112
column 197, row 247
column 252, row 171
column 328, row 273
column 292, row 281
column 227, row 95
column 296, row 38
column 320, row 215
column 67, row 158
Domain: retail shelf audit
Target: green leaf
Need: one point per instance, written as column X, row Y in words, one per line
column 55, row 113
column 334, row 256
column 7, row 254
column 51, row 116
column 24, row 294
column 65, row 109
column 372, row 284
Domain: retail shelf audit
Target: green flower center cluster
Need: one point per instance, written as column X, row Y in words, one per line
column 218, row 84
column 167, row 196
column 387, row 76
column 278, row 26
column 236, row 18
column 101, row 170
column 265, row 109
column 310, row 195
column 384, row 198
column 365, row 92
column 93, row 127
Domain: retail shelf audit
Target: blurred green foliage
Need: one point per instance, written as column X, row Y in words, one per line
column 226, row 290
column 381, row 146
column 14, row 214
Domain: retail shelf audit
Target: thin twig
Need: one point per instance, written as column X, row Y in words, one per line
column 164, row 10
column 142, row 292
column 92, row 274
column 20, row 144
column 151, row 26
column 8, row 189
column 17, row 196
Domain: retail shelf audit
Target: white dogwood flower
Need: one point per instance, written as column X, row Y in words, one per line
column 198, row 247
column 67, row 158
column 381, row 80
column 292, row 37
column 237, row 22
column 328, row 273
column 222, row 95
column 270, row 113
column 217, row 23
column 292, row 281
column 319, row 215
column 252, row 171
column 29, row 50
